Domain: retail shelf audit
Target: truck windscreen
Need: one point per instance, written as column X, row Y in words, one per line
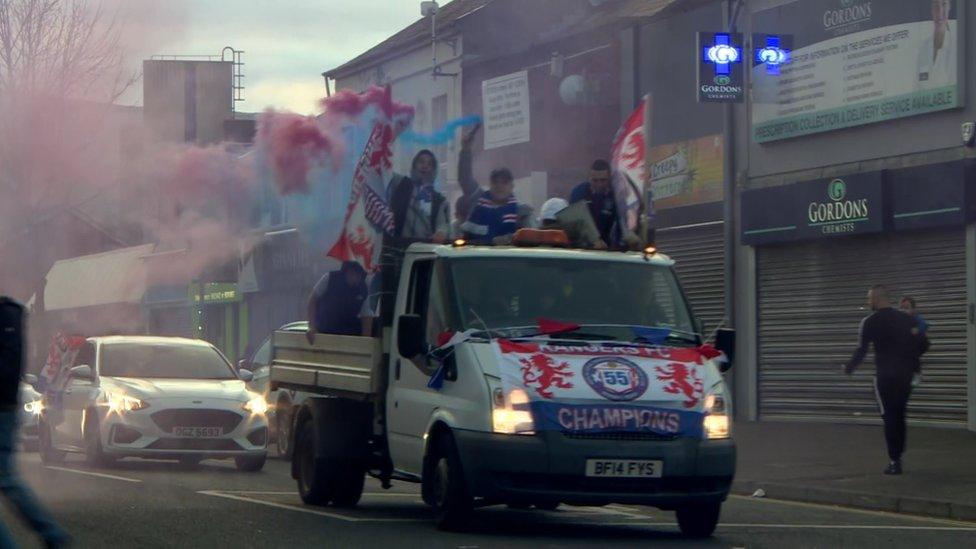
column 516, row 292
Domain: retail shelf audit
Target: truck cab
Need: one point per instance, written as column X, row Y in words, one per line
column 528, row 376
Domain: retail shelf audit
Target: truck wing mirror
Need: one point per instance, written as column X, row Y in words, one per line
column 410, row 336
column 725, row 342
column 82, row 371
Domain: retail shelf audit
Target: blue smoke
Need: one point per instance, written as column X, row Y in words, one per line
column 442, row 136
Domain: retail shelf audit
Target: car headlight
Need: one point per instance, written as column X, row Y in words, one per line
column 717, row 423
column 118, row 402
column 34, row 407
column 257, row 405
column 510, row 412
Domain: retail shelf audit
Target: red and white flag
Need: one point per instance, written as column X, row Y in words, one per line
column 368, row 215
column 628, row 160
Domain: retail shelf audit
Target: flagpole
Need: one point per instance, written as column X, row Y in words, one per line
column 647, row 199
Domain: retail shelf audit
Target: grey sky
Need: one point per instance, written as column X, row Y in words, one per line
column 287, row 43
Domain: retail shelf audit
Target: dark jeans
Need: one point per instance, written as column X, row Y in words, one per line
column 893, row 393
column 18, row 494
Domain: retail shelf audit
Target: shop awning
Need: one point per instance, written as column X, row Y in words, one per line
column 118, row 276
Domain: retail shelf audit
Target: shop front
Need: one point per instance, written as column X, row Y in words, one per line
column 820, row 245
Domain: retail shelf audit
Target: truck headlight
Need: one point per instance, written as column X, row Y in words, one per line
column 257, row 405
column 717, row 424
column 510, row 413
column 118, row 402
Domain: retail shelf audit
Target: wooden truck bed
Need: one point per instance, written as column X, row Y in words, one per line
column 345, row 366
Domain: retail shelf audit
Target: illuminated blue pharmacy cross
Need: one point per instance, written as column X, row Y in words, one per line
column 722, row 54
column 772, row 55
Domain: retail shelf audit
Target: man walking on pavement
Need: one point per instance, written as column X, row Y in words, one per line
column 897, row 345
column 12, row 349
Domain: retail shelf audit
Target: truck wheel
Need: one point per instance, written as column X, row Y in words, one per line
column 349, row 486
column 700, row 519
column 312, row 484
column 94, row 454
column 250, row 464
column 49, row 454
column 452, row 502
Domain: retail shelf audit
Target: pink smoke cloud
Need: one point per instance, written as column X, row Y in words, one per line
column 295, row 144
column 351, row 104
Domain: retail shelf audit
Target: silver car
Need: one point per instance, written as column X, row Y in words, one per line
column 282, row 403
column 154, row 397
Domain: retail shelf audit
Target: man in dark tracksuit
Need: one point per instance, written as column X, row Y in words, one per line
column 897, row 345
column 13, row 488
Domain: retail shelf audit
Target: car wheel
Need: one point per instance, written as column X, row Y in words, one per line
column 49, row 454
column 700, row 519
column 452, row 502
column 251, row 464
column 94, row 453
column 312, row 484
column 284, row 436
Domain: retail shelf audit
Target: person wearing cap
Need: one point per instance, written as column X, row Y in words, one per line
column 338, row 303
column 597, row 193
column 495, row 213
column 580, row 230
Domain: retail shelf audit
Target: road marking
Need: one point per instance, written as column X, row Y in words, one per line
column 814, row 526
column 318, row 512
column 829, row 507
column 91, row 473
column 292, row 493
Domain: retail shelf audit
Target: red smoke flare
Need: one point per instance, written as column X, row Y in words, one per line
column 295, row 143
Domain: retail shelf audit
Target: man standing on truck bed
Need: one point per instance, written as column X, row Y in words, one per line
column 597, row 193
column 336, row 305
column 897, row 345
column 419, row 211
column 495, row 213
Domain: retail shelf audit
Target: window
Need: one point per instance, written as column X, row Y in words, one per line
column 419, row 303
column 263, row 355
column 164, row 360
column 605, row 296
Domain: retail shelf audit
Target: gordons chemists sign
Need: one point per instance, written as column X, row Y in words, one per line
column 813, row 209
column 859, row 62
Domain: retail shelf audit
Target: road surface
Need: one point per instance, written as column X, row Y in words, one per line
column 157, row 504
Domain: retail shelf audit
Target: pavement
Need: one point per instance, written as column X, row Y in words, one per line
column 842, row 465
column 150, row 504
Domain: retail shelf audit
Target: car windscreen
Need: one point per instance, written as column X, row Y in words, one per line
column 516, row 292
column 153, row 360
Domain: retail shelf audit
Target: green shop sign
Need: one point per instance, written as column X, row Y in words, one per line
column 214, row 292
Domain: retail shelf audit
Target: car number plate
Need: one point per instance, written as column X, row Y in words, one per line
column 198, row 432
column 624, row 468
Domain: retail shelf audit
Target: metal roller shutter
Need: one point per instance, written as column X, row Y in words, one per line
column 699, row 251
column 811, row 299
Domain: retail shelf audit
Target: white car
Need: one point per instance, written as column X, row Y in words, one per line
column 30, row 411
column 154, row 397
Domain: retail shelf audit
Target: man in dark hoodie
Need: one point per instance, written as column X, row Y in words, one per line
column 419, row 211
column 336, row 305
column 14, row 490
